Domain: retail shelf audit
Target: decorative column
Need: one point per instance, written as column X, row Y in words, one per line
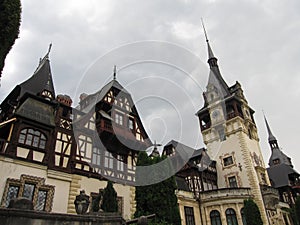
column 74, row 190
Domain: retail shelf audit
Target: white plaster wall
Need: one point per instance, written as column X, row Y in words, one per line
column 217, row 149
column 186, row 199
column 61, row 195
column 10, row 168
column 254, row 146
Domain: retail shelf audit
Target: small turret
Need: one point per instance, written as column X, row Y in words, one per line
column 277, row 156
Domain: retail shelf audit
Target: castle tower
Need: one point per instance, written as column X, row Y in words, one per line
column 230, row 134
column 281, row 172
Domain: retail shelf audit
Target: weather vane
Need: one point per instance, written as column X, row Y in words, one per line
column 115, row 72
column 204, row 30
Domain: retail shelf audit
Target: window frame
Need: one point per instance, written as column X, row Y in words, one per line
column 215, row 217
column 119, row 118
column 276, row 161
column 230, row 182
column 189, row 215
column 33, row 138
column 227, row 162
column 231, row 218
column 39, row 185
column 131, row 124
column 243, row 216
column 108, row 160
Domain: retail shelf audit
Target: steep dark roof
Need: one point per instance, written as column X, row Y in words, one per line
column 198, row 152
column 215, row 78
column 181, row 184
column 186, row 151
column 278, row 154
column 181, row 148
column 40, row 80
column 99, row 95
column 279, row 174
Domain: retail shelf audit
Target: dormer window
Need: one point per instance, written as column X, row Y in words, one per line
column 276, row 161
column 131, row 123
column 33, row 138
column 47, row 95
column 119, row 119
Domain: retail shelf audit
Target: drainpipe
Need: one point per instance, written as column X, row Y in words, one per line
column 199, row 203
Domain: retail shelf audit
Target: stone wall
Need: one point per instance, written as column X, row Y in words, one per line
column 28, row 217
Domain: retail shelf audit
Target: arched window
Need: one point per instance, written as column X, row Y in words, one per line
column 33, row 138
column 231, row 217
column 215, row 218
column 243, row 216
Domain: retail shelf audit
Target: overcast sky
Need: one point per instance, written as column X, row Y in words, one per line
column 160, row 50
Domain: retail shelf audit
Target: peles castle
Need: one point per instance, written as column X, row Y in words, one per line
column 49, row 151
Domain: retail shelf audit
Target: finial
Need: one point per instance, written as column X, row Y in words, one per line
column 155, row 145
column 204, row 29
column 210, row 52
column 115, row 72
column 155, row 152
column 49, row 49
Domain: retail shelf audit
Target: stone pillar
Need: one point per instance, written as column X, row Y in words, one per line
column 73, row 192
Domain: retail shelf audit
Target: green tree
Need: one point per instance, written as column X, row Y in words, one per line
column 10, row 19
column 252, row 213
column 297, row 210
column 297, row 207
column 157, row 198
column 140, row 196
column 109, row 202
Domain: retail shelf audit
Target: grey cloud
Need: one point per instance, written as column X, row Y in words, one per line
column 256, row 42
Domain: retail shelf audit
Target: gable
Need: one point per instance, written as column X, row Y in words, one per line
column 37, row 111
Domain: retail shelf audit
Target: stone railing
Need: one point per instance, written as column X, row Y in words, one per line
column 267, row 190
column 225, row 193
column 17, row 216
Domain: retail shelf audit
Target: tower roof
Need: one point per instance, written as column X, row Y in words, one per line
column 210, row 52
column 215, row 77
column 277, row 157
column 40, row 80
column 99, row 95
column 280, row 175
column 271, row 136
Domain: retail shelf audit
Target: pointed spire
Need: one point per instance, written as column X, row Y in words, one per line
column 210, row 52
column 271, row 136
column 277, row 156
column 115, row 72
column 41, row 80
column 212, row 60
column 49, row 49
column 215, row 77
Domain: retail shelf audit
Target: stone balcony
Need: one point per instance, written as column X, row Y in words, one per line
column 225, row 193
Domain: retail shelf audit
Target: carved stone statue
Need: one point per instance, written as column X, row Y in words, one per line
column 142, row 220
column 97, row 202
column 21, row 203
column 82, row 202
